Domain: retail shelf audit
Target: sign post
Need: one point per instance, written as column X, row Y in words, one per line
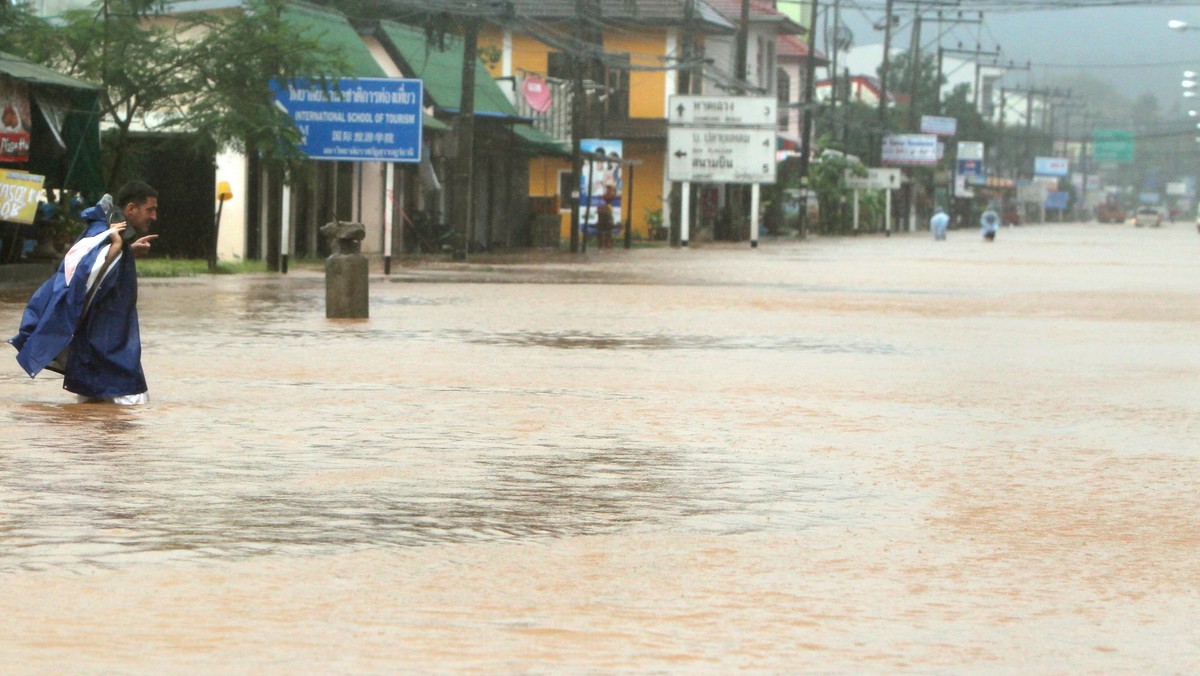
column 721, row 139
column 354, row 120
column 876, row 179
column 1112, row 145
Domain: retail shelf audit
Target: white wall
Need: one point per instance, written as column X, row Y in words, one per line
column 231, row 239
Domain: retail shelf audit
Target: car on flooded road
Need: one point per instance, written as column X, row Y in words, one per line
column 1148, row 217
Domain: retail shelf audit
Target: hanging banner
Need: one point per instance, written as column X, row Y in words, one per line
column 537, row 93
column 15, row 122
column 910, row 150
column 605, row 180
column 19, row 195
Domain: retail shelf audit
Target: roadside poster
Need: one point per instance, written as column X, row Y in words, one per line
column 359, row 120
column 940, row 126
column 15, row 122
column 1057, row 200
column 970, row 150
column 972, row 169
column 19, row 194
column 910, row 150
column 605, row 177
column 1051, row 166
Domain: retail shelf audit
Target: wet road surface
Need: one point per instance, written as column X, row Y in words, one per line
column 851, row 455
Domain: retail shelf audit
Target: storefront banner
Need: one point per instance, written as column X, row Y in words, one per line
column 19, row 193
column 14, row 120
column 912, row 150
column 605, row 179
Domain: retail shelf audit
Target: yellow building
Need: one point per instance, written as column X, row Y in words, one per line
column 629, row 92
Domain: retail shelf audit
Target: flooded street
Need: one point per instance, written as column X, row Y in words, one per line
column 851, row 455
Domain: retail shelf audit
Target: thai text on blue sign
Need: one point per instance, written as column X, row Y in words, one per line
column 356, row 120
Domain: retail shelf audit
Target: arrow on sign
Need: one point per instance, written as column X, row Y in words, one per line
column 681, row 109
column 680, row 153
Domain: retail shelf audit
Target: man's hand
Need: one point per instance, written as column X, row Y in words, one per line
column 141, row 247
column 114, row 235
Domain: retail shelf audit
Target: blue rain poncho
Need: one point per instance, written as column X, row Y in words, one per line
column 83, row 321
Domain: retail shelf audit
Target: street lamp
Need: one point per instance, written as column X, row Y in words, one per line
column 1181, row 26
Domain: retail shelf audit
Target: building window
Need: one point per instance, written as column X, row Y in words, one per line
column 616, row 105
column 565, row 189
column 558, row 66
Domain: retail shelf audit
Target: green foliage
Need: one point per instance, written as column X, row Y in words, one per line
column 900, row 78
column 827, row 178
column 206, row 73
column 192, row 267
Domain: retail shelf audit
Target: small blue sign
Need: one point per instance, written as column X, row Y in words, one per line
column 1057, row 200
column 358, row 120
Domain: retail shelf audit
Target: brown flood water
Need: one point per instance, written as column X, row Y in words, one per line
column 842, row 455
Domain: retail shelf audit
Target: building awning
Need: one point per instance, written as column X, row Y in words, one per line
column 431, row 123
column 537, row 142
column 64, row 143
column 440, row 67
column 33, row 73
column 333, row 30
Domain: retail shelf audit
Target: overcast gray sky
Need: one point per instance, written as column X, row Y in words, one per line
column 1097, row 40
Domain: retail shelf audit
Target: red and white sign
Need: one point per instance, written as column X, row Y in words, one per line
column 910, row 150
column 537, row 93
column 14, row 120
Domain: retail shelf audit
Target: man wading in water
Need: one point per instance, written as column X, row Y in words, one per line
column 83, row 321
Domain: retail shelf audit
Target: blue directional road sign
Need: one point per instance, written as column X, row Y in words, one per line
column 359, row 120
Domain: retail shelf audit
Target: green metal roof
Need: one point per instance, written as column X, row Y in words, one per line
column 539, row 142
column 333, row 29
column 21, row 69
column 441, row 70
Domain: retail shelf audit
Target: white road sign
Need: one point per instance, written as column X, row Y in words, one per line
column 724, row 111
column 876, row 179
column 721, row 155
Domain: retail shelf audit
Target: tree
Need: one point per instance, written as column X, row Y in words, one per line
column 899, row 75
column 205, row 73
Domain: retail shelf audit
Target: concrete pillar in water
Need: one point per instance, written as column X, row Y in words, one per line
column 346, row 281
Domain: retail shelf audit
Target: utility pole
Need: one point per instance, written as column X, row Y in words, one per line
column 584, row 46
column 914, row 74
column 743, row 40
column 977, row 52
column 834, row 46
column 806, row 130
column 465, row 162
column 883, row 81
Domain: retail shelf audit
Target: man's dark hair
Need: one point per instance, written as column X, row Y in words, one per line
column 136, row 192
